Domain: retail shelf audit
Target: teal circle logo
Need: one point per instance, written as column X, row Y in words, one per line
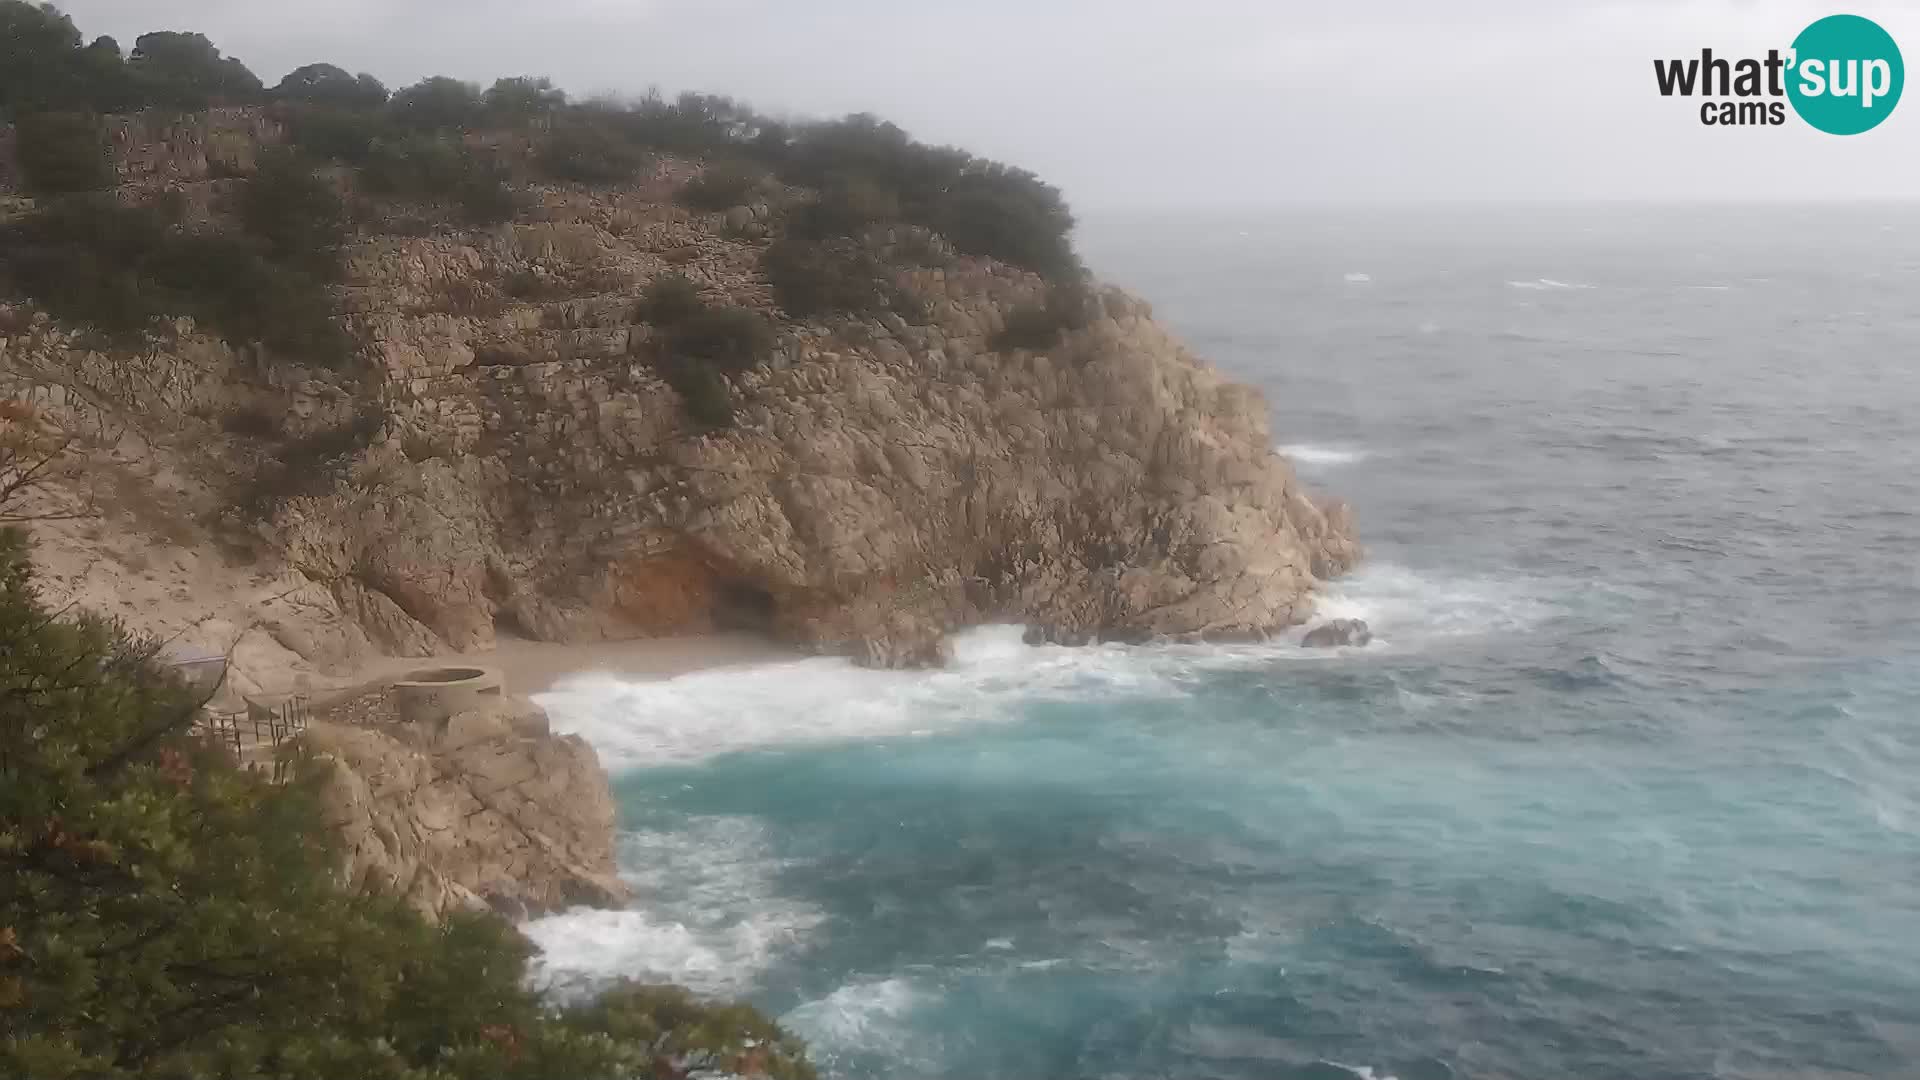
column 1846, row 75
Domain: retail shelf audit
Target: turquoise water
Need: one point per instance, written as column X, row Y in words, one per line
column 1629, row 786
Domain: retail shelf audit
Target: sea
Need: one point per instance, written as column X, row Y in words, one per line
column 1627, row 786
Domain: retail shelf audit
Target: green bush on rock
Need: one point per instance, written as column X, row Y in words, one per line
column 813, row 277
column 434, row 169
column 61, row 153
column 699, row 346
column 88, row 259
column 587, row 154
column 1039, row 326
column 165, row 915
column 671, row 299
column 299, row 215
column 721, row 185
column 731, row 339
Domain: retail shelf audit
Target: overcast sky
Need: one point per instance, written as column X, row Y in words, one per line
column 1133, row 104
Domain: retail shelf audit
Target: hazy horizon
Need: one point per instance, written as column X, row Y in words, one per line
column 1136, row 107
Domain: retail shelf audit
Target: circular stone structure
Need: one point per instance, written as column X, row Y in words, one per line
column 432, row 695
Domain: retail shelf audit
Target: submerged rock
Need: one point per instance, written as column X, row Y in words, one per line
column 1336, row 633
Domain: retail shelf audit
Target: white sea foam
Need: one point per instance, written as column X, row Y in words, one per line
column 1361, row 1071
column 865, row 1016
column 1358, row 278
column 1547, row 283
column 1310, row 455
column 696, row 716
column 710, row 917
column 691, row 718
column 1408, row 607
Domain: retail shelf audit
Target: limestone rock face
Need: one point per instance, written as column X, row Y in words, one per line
column 884, row 486
column 487, row 810
column 886, row 481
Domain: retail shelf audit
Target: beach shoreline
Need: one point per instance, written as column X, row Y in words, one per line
column 534, row 667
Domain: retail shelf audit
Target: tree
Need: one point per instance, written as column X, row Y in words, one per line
column 589, row 153
column 325, row 84
column 983, row 207
column 37, row 53
column 110, row 86
column 813, row 276
column 186, row 71
column 163, row 914
column 523, row 98
column 335, row 133
column 300, row 216
column 437, row 104
column 61, row 153
column 431, row 168
column 31, row 452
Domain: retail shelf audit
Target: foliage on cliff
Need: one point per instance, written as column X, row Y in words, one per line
column 984, row 207
column 93, row 261
column 163, row 914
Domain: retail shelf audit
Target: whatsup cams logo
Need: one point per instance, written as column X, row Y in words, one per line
column 1843, row 75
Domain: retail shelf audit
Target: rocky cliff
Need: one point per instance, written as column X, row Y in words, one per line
column 522, row 466
column 485, row 810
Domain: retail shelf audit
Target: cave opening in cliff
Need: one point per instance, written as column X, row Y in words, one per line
column 742, row 605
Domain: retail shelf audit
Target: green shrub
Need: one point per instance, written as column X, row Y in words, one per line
column 310, row 464
column 690, row 124
column 80, row 259
column 1039, row 326
column 704, row 392
column 90, row 260
column 671, row 299
column 983, row 207
column 530, row 286
column 335, row 133
column 1020, row 221
column 437, row 104
column 185, row 71
column 1029, row 326
column 434, row 169
column 846, row 206
column 487, row 200
column 731, row 339
column 251, row 423
column 521, row 98
column 722, row 185
column 331, row 86
column 164, row 914
column 223, row 280
column 820, row 277
column 300, row 216
column 60, row 153
column 589, row 155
